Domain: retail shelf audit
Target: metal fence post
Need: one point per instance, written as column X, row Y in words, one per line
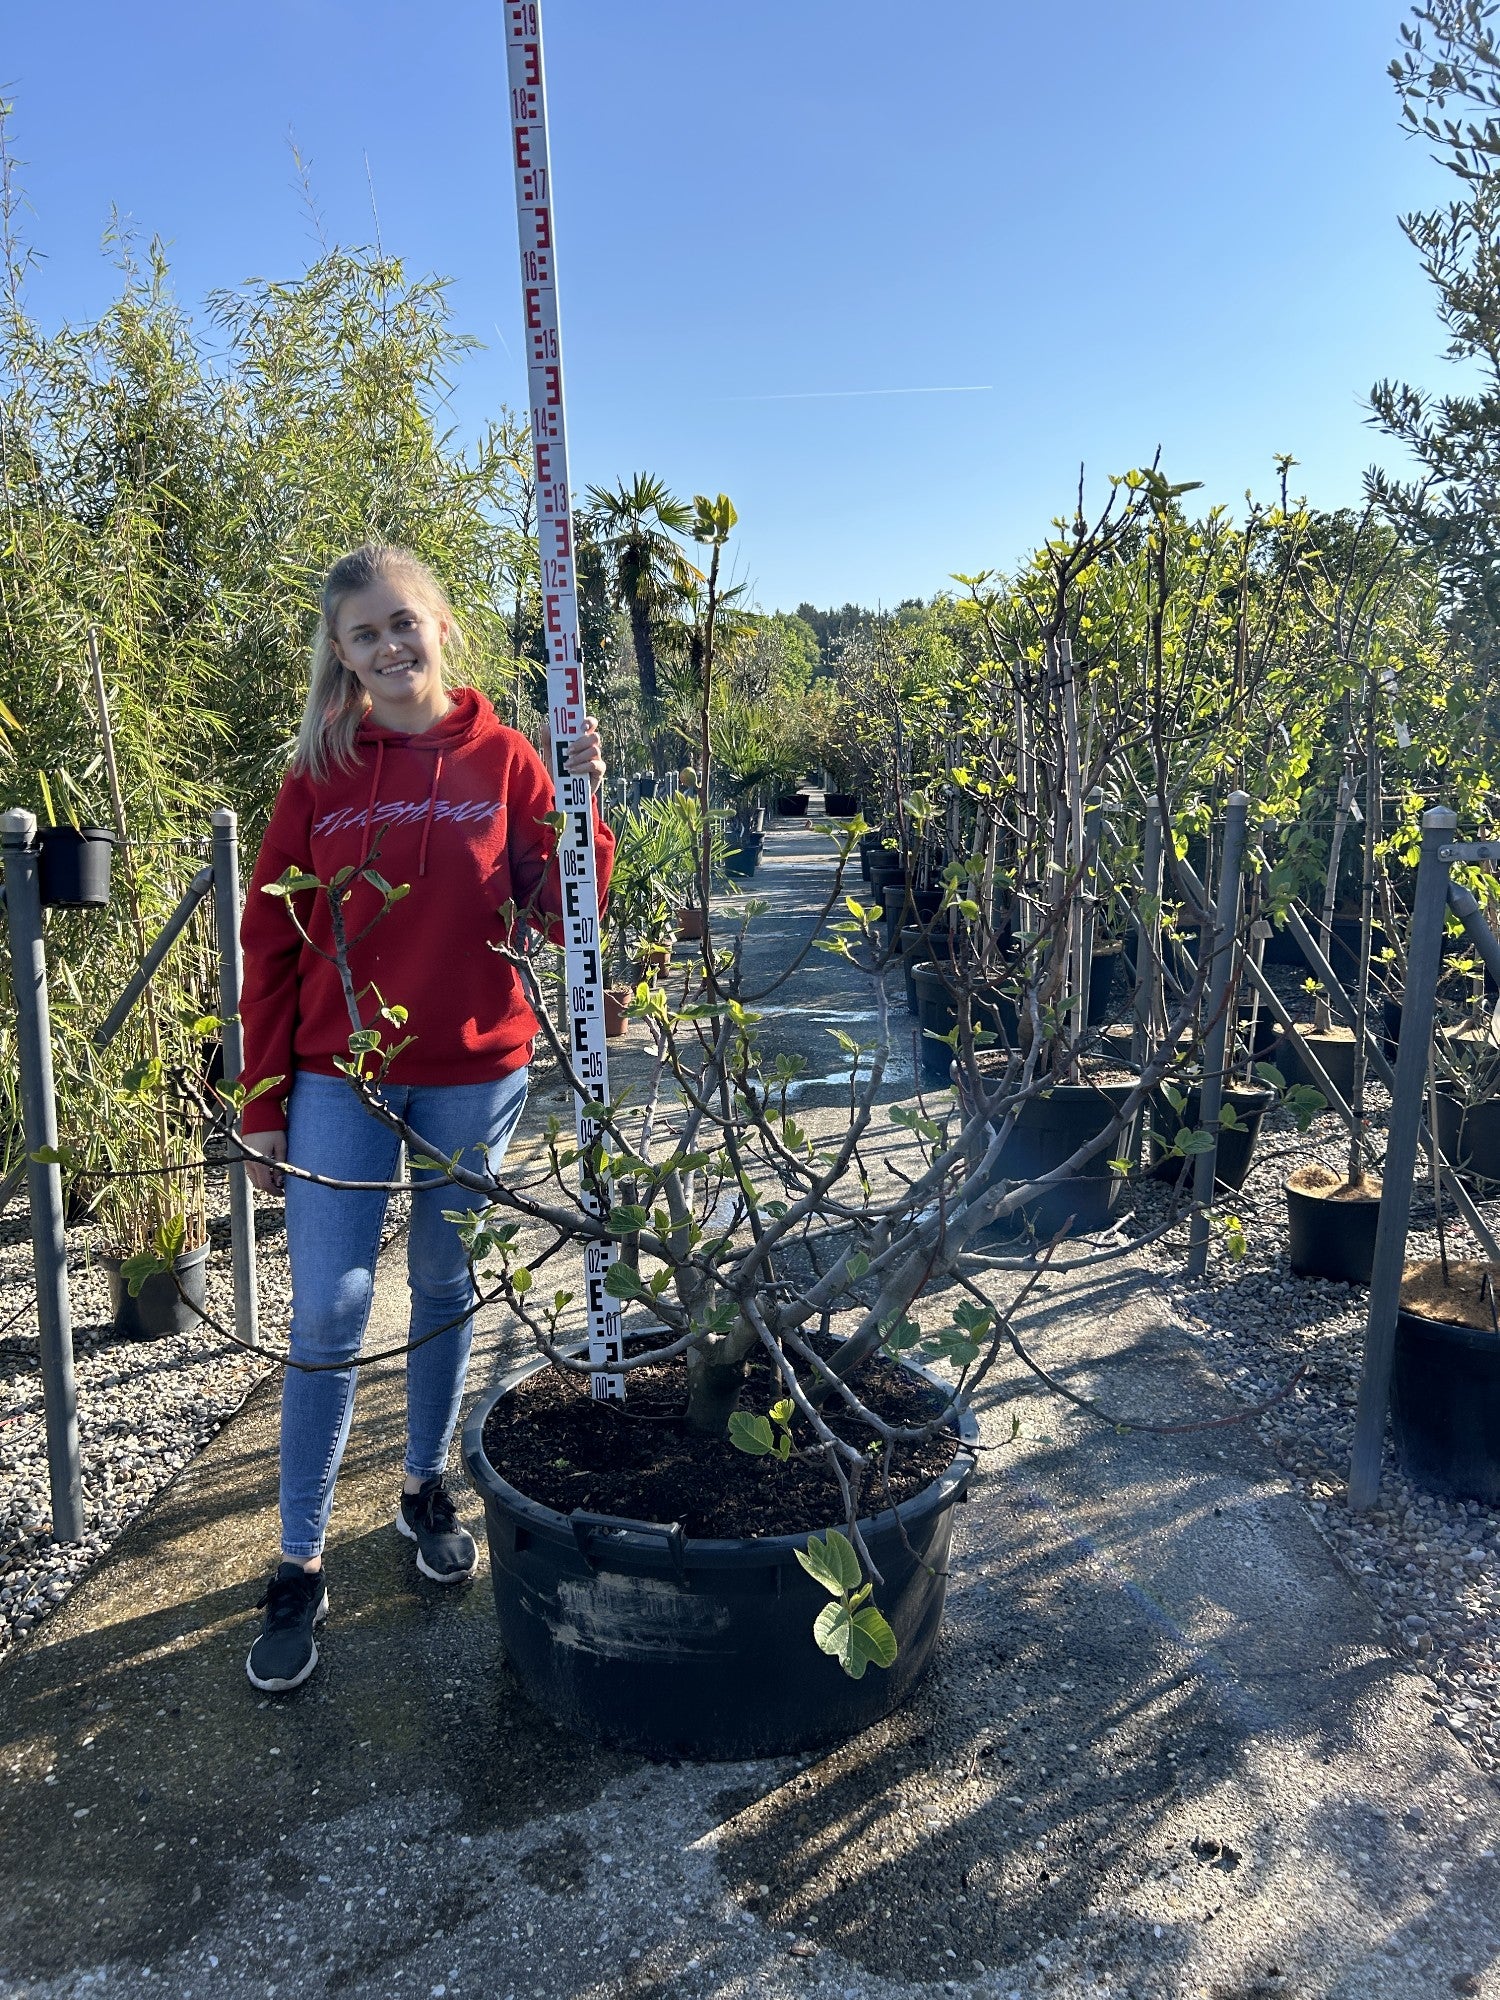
column 23, row 905
column 1211, row 1093
column 1422, row 962
column 1147, row 1001
column 226, row 866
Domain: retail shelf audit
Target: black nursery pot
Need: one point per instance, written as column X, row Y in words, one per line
column 745, row 858
column 1109, row 956
column 633, row 1633
column 1469, row 1135
column 792, row 805
column 73, row 866
column 937, row 1014
column 1236, row 1147
column 1390, row 1028
column 1050, row 1129
column 900, row 903
column 1267, row 1044
column 1334, row 1052
column 1331, row 1239
column 922, row 947
column 159, row 1308
column 841, row 805
column 1343, row 947
column 1445, row 1407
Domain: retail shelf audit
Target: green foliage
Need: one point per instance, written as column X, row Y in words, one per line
column 852, row 1630
column 1448, row 80
column 767, row 1436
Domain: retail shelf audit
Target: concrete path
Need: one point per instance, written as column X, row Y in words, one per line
column 1161, row 1752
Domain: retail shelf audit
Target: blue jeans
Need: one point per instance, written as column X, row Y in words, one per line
column 333, row 1240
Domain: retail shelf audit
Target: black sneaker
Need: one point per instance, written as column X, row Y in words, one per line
column 445, row 1548
column 285, row 1654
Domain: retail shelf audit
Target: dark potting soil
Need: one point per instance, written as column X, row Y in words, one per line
column 553, row 1443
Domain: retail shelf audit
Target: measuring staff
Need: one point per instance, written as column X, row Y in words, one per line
column 565, row 699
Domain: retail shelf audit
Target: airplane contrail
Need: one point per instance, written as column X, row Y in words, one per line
column 820, row 395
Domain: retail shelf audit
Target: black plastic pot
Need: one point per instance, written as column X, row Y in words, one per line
column 633, row 1633
column 1343, row 947
column 745, row 857
column 900, row 903
column 73, row 866
column 792, row 805
column 1109, row 956
column 1469, row 1135
column 922, row 947
column 887, row 864
column 1236, row 1146
column 937, row 1014
column 1445, row 1407
column 1331, row 1239
column 1050, row 1129
column 1334, row 1052
column 1267, row 1046
column 1282, row 949
column 1390, row 1028
column 159, row 1308
column 841, row 805
column 870, row 844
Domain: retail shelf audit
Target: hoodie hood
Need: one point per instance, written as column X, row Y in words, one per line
column 469, row 719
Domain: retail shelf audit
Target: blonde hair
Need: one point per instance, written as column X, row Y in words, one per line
column 336, row 703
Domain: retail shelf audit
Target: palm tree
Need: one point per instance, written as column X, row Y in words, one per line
column 635, row 524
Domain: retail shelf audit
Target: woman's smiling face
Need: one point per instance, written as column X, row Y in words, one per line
column 393, row 646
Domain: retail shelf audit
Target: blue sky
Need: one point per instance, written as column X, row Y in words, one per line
column 1114, row 227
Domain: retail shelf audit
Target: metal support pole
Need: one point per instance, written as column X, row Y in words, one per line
column 23, row 903
column 1148, row 937
column 1465, row 906
column 1423, row 958
column 1093, row 827
column 140, row 979
column 226, row 882
column 1211, row 1092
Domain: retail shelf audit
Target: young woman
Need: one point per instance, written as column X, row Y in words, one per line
column 392, row 762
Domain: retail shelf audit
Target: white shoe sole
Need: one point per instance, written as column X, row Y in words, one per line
column 435, row 1576
column 283, row 1687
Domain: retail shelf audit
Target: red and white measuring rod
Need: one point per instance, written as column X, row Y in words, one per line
column 565, row 700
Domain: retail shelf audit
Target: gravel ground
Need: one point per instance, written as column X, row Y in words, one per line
column 144, row 1407
column 1431, row 1566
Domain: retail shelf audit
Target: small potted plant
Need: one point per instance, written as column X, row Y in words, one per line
column 1445, row 1382
column 1331, row 1220
column 1466, row 1100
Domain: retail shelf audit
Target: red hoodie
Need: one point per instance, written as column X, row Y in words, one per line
column 457, row 813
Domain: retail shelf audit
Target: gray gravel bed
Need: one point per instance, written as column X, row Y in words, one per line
column 1431, row 1566
column 144, row 1406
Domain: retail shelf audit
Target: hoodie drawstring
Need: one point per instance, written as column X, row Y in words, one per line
column 364, row 838
column 437, row 772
